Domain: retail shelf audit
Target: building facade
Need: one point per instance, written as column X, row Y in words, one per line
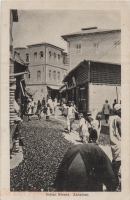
column 93, row 44
column 47, row 66
column 18, row 68
column 90, row 83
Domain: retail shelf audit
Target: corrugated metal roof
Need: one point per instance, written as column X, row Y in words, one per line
column 91, row 31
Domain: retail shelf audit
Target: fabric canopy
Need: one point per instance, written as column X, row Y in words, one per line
column 29, row 92
column 85, row 167
column 54, row 87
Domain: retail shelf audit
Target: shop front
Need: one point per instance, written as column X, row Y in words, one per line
column 53, row 92
column 90, row 83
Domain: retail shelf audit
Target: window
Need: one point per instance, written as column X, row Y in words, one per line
column 49, row 75
column 78, row 48
column 35, row 57
column 54, row 56
column 58, row 76
column 54, row 75
column 38, row 76
column 59, row 57
column 41, row 55
column 96, row 47
column 64, row 60
column 49, row 55
column 27, row 57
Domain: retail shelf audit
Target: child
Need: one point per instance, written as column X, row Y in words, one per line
column 48, row 113
column 83, row 129
column 95, row 124
column 93, row 136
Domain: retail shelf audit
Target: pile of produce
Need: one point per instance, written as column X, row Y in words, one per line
column 44, row 149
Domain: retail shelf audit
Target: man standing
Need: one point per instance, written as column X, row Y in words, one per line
column 114, row 103
column 70, row 116
column 115, row 142
column 106, row 110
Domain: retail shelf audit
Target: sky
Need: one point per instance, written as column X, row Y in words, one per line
column 37, row 26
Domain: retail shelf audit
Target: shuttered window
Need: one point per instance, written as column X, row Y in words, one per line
column 106, row 74
column 83, row 75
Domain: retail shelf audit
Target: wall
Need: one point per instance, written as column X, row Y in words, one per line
column 63, row 72
column 44, row 66
column 39, row 92
column 106, row 41
column 33, row 74
column 99, row 93
column 31, row 51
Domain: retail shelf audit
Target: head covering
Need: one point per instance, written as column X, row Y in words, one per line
column 85, row 167
column 89, row 113
column 80, row 114
column 117, row 106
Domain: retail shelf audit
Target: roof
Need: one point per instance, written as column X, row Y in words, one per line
column 19, row 48
column 85, row 61
column 29, row 91
column 93, row 30
column 19, row 74
column 19, row 60
column 45, row 44
column 15, row 15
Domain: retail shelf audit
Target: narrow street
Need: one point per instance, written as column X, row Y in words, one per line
column 45, row 144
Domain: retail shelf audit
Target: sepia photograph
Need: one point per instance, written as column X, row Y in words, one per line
column 65, row 101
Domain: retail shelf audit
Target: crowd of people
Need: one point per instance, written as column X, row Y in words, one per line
column 89, row 126
column 47, row 106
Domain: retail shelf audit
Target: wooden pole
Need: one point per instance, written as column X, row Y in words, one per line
column 117, row 93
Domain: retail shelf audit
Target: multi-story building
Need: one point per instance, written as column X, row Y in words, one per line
column 93, row 44
column 18, row 68
column 47, row 66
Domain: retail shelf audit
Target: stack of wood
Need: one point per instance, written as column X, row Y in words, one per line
column 12, row 113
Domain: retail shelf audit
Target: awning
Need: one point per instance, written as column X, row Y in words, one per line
column 18, row 74
column 63, row 88
column 53, row 87
column 29, row 92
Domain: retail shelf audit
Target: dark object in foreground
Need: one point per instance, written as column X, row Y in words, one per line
column 85, row 167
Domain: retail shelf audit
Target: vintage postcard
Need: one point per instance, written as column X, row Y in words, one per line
column 65, row 100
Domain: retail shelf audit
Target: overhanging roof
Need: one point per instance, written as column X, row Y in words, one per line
column 91, row 31
column 85, row 61
column 45, row 44
column 29, row 91
column 18, row 74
